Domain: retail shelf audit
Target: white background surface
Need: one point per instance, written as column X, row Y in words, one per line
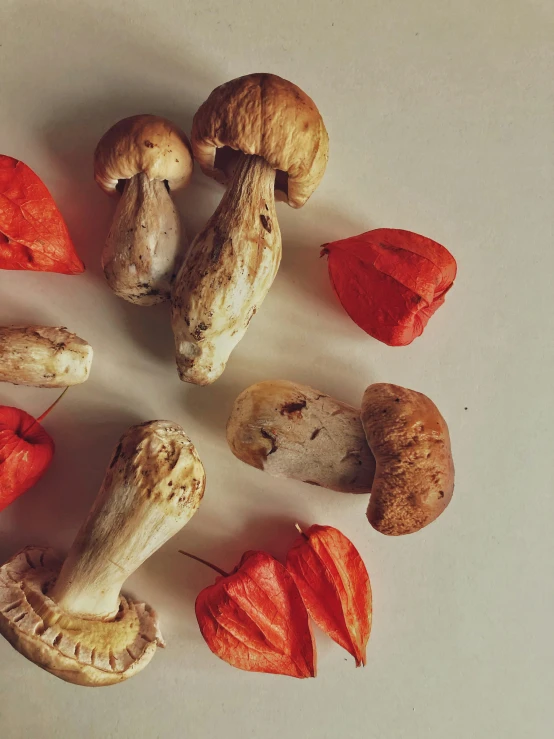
column 440, row 117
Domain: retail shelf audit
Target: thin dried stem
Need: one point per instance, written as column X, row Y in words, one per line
column 43, row 415
column 54, row 404
column 205, row 562
column 299, row 529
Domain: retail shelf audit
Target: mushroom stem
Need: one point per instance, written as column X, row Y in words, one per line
column 105, row 553
column 43, row 356
column 136, row 512
column 227, row 273
column 292, row 430
column 143, row 250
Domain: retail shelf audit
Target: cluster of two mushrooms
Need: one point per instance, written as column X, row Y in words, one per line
column 262, row 137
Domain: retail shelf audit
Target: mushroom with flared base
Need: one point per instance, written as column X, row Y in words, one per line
column 70, row 617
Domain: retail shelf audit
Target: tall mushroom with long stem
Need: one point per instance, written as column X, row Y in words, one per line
column 143, row 158
column 70, row 617
column 264, row 138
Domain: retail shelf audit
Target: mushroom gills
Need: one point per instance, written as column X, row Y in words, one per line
column 225, row 161
column 103, row 652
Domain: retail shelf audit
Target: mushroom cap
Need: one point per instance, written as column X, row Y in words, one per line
column 414, row 477
column 143, row 143
column 268, row 116
column 81, row 651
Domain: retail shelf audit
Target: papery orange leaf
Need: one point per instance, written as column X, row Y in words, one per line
column 26, row 451
column 254, row 619
column 390, row 281
column 334, row 585
column 33, row 234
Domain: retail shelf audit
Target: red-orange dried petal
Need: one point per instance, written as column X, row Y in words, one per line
column 26, row 451
column 33, row 234
column 390, row 281
column 255, row 619
column 335, row 587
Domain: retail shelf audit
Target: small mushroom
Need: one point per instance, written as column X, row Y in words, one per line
column 262, row 137
column 69, row 617
column 397, row 448
column 292, row 430
column 143, row 158
column 43, row 356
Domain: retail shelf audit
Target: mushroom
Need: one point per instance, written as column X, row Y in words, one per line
column 414, row 477
column 397, row 448
column 43, row 356
column 262, row 137
column 144, row 158
column 292, row 430
column 69, row 617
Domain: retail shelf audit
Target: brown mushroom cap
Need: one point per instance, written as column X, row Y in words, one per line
column 143, row 143
column 78, row 650
column 268, row 116
column 414, row 477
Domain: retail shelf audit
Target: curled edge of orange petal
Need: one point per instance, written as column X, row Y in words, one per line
column 333, row 581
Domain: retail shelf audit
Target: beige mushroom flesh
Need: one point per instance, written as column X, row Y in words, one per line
column 262, row 137
column 43, row 356
column 291, row 430
column 397, row 448
column 70, row 617
column 142, row 160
